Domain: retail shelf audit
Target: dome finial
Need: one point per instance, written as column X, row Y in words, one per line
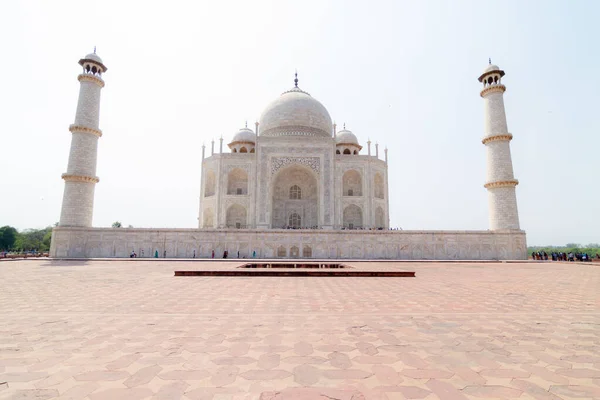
column 246, row 123
column 344, row 125
column 296, row 79
column 94, row 49
column 490, row 60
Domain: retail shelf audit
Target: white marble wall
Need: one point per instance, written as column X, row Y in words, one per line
column 73, row 242
column 276, row 155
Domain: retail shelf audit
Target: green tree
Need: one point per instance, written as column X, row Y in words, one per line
column 34, row 239
column 8, row 236
column 116, row 224
column 47, row 239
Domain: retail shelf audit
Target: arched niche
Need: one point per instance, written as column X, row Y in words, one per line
column 236, row 216
column 294, row 252
column 210, row 183
column 281, row 251
column 352, row 183
column 294, row 189
column 352, row 217
column 378, row 189
column 306, row 251
column 237, row 182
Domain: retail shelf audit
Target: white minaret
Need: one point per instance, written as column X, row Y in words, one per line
column 500, row 181
column 80, row 178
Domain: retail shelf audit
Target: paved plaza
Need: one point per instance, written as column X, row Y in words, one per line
column 122, row 329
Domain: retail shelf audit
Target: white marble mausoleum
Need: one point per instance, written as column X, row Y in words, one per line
column 294, row 187
column 299, row 172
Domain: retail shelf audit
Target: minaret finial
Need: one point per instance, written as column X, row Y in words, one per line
column 296, row 79
column 94, row 49
column 490, row 60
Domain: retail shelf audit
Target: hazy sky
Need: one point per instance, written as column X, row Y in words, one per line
column 403, row 73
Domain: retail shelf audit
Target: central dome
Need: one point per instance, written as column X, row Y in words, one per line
column 295, row 113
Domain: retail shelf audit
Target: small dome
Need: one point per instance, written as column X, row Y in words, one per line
column 93, row 57
column 295, row 113
column 491, row 68
column 346, row 137
column 244, row 135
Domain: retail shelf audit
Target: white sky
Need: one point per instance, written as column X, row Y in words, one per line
column 403, row 73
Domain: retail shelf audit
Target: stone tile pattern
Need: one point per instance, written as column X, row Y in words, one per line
column 130, row 330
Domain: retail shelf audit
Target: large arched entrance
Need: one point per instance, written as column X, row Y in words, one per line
column 295, row 199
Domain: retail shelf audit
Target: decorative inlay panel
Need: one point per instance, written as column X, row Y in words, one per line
column 279, row 162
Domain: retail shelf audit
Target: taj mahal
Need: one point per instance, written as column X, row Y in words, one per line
column 294, row 187
column 298, row 173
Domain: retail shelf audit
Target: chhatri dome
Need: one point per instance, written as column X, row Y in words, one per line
column 295, row 113
column 346, row 137
column 93, row 63
column 244, row 141
column 245, row 135
column 491, row 68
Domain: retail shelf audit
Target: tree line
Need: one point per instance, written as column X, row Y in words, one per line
column 26, row 240
column 591, row 249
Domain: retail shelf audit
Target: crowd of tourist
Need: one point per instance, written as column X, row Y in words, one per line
column 301, row 227
column 561, row 256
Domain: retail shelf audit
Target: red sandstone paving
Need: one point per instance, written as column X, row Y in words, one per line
column 121, row 329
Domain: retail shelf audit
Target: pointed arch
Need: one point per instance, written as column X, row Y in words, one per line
column 378, row 186
column 352, row 217
column 210, row 183
column 352, row 183
column 237, row 182
column 236, row 216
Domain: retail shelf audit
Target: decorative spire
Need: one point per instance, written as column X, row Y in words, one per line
column 296, row 79
column 246, row 123
column 94, row 49
column 490, row 60
column 344, row 126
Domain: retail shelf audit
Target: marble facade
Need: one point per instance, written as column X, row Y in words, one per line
column 278, row 243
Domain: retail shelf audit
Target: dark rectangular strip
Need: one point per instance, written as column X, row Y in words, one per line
column 296, row 272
